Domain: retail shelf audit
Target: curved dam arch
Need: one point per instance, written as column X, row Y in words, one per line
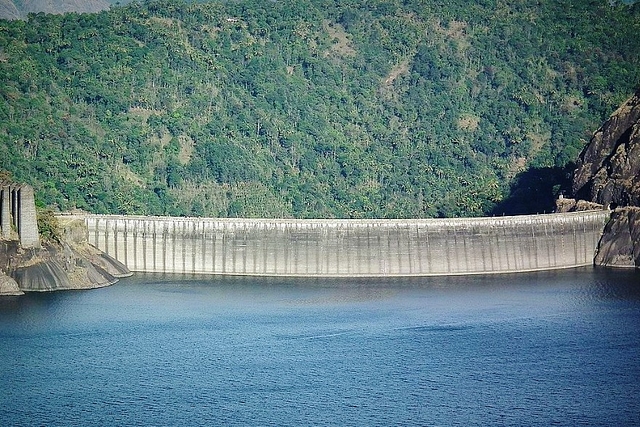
column 349, row 248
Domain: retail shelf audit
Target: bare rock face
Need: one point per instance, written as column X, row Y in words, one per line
column 69, row 264
column 8, row 286
column 573, row 205
column 54, row 268
column 76, row 246
column 46, row 275
column 620, row 243
column 608, row 173
column 608, row 170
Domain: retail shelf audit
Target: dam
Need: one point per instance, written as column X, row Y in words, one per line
column 349, row 248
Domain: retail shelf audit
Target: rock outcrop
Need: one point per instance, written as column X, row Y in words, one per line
column 56, row 267
column 608, row 173
column 64, row 260
column 620, row 242
column 573, row 205
column 8, row 286
column 608, row 170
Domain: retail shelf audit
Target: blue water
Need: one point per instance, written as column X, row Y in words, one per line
column 557, row 348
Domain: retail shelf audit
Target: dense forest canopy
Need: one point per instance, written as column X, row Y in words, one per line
column 312, row 108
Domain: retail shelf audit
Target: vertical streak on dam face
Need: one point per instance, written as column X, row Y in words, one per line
column 281, row 247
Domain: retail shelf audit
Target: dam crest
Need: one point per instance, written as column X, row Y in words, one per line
column 349, row 248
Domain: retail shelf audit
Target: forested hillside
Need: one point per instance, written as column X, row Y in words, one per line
column 313, row 108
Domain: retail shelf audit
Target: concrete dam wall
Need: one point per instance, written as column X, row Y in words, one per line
column 286, row 247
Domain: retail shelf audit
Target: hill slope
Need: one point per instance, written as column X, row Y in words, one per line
column 11, row 9
column 310, row 108
column 8, row 10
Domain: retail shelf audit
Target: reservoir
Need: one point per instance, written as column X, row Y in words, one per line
column 541, row 348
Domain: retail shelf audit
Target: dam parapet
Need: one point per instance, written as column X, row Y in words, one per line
column 349, row 248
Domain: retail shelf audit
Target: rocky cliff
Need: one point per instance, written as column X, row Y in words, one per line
column 620, row 242
column 608, row 173
column 608, row 168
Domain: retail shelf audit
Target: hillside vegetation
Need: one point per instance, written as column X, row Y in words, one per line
column 312, row 108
